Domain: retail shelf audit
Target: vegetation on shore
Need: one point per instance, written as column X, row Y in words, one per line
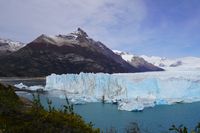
column 183, row 129
column 16, row 116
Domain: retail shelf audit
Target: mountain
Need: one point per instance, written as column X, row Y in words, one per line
column 72, row 53
column 185, row 63
column 159, row 61
column 7, row 46
column 137, row 62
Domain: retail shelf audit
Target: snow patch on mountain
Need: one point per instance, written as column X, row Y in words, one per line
column 137, row 61
column 125, row 55
column 9, row 45
column 69, row 39
column 78, row 37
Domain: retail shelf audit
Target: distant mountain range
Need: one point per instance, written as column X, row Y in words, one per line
column 77, row 52
column 154, row 62
column 137, row 61
column 185, row 63
column 72, row 53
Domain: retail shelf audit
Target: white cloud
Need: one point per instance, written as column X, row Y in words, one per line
column 102, row 19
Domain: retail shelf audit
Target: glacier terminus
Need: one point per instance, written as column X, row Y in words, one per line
column 132, row 92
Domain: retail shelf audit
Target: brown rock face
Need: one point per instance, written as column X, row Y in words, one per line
column 72, row 53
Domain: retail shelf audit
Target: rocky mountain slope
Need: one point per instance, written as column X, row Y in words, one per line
column 72, row 53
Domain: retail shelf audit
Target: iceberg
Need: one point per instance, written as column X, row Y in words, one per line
column 21, row 86
column 132, row 92
column 33, row 88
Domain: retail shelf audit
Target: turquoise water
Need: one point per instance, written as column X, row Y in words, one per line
column 152, row 120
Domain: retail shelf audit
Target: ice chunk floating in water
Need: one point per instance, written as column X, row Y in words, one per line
column 33, row 88
column 130, row 91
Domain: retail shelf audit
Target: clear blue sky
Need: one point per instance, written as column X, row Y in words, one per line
column 169, row 28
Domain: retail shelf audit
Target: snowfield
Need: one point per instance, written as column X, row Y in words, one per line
column 134, row 91
column 179, row 64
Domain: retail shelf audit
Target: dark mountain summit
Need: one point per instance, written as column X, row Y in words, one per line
column 72, row 53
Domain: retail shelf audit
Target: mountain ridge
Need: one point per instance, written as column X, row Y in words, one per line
column 184, row 63
column 72, row 53
column 138, row 61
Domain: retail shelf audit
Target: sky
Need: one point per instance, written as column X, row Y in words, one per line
column 167, row 28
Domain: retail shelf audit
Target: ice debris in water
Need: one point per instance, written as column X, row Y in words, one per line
column 33, row 88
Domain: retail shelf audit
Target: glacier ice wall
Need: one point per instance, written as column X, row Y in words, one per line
column 88, row 85
column 130, row 91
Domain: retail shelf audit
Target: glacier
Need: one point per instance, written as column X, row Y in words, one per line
column 131, row 92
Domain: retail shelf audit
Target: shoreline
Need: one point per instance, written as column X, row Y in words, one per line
column 21, row 78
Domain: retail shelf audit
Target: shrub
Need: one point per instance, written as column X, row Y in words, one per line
column 16, row 118
column 183, row 129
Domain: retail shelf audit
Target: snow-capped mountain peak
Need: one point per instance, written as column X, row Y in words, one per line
column 74, row 39
column 80, row 32
column 137, row 61
column 185, row 63
column 71, row 39
column 9, row 45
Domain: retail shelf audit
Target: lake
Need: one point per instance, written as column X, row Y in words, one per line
column 152, row 120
